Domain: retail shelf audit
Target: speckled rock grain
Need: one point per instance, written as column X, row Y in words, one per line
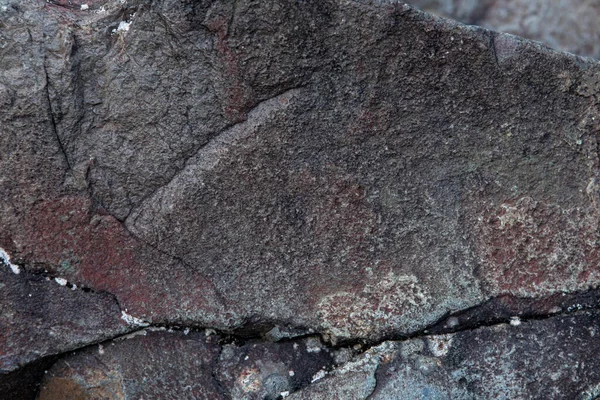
column 356, row 169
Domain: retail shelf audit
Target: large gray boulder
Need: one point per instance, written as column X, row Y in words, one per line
column 353, row 169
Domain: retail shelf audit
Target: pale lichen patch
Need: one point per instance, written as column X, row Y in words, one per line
column 61, row 281
column 440, row 345
column 313, row 345
column 318, row 376
column 347, row 314
column 123, row 26
column 131, row 320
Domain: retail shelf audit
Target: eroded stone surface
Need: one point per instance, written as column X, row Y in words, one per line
column 147, row 365
column 187, row 364
column 353, row 380
column 383, row 186
column 536, row 359
column 553, row 358
column 268, row 371
column 39, row 317
column 353, row 168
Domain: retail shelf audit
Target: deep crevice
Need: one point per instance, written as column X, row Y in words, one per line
column 590, row 300
column 214, row 373
column 495, row 311
column 53, row 120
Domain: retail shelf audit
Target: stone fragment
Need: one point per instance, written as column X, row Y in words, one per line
column 554, row 358
column 148, row 365
column 263, row 370
column 40, row 318
column 355, row 380
column 356, row 169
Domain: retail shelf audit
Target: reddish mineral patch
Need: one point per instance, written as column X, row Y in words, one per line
column 236, row 99
column 530, row 248
column 69, row 239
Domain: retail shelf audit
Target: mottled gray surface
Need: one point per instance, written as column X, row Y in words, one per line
column 550, row 359
column 352, row 169
column 554, row 358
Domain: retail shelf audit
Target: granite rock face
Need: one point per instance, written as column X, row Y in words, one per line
column 357, row 170
column 562, row 24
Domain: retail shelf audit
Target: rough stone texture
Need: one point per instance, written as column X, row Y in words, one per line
column 554, row 358
column 176, row 365
column 399, row 182
column 549, row 359
column 264, row 371
column 155, row 365
column 39, row 318
column 352, row 381
column 354, row 169
column 569, row 25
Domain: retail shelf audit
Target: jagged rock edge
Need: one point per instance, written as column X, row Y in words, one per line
column 226, row 338
column 234, row 336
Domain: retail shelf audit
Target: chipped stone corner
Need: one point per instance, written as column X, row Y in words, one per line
column 6, row 260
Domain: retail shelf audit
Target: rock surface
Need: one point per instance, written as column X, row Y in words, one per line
column 549, row 359
column 190, row 365
column 149, row 365
column 358, row 170
column 555, row 358
column 562, row 24
column 39, row 317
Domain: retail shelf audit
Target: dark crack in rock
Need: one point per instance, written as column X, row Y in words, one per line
column 40, row 318
column 267, row 371
column 550, row 359
column 553, row 358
